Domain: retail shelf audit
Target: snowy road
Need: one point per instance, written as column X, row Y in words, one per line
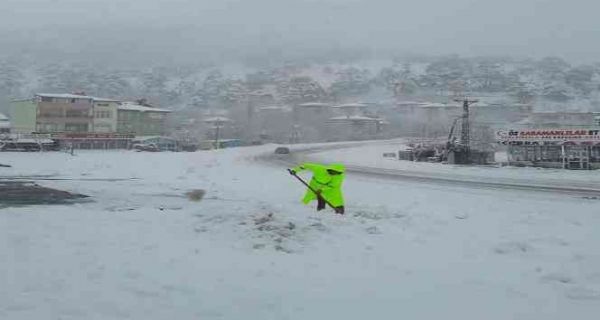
column 250, row 250
column 366, row 159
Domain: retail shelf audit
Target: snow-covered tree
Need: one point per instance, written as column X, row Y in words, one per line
column 580, row 79
column 154, row 83
column 212, row 87
column 488, row 77
column 233, row 92
column 300, row 89
column 405, row 87
column 351, row 82
column 442, row 73
column 557, row 91
column 552, row 68
column 114, row 86
column 388, row 78
column 257, row 80
column 11, row 80
column 523, row 92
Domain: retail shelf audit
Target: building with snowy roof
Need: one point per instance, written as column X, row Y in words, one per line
column 355, row 127
column 64, row 112
column 141, row 120
column 87, row 121
column 308, row 121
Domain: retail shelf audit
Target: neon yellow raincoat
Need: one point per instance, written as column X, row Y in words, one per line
column 329, row 185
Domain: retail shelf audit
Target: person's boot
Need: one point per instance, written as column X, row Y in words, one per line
column 339, row 210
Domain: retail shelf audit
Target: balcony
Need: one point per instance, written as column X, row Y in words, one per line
column 62, row 119
column 78, row 105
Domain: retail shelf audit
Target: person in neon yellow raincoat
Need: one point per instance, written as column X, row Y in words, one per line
column 327, row 182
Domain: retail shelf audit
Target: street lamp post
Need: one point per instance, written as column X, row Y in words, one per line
column 218, row 123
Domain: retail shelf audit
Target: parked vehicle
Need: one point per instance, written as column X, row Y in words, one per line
column 282, row 150
column 28, row 145
column 151, row 147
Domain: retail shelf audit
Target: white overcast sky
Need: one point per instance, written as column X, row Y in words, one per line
column 570, row 29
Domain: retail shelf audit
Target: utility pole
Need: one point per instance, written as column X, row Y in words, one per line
column 217, row 128
column 217, row 122
column 465, row 135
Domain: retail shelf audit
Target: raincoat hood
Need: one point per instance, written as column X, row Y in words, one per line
column 337, row 167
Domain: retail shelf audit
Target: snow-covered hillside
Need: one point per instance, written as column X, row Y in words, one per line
column 249, row 249
column 549, row 84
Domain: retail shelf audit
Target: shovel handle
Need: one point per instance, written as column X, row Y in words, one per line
column 310, row 188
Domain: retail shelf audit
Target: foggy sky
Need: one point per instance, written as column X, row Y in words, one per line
column 535, row 28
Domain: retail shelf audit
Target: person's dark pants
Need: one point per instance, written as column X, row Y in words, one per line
column 320, row 204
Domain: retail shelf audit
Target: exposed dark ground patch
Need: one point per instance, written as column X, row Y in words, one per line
column 15, row 193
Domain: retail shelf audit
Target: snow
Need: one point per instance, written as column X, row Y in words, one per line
column 141, row 250
column 371, row 156
column 441, row 105
column 104, row 99
column 29, row 140
column 136, row 107
column 354, row 117
column 410, row 103
column 3, row 117
column 217, row 119
column 314, row 105
column 74, row 96
column 63, row 96
column 350, row 105
column 274, row 108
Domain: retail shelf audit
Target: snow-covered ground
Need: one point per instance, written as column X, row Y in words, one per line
column 142, row 250
column 371, row 156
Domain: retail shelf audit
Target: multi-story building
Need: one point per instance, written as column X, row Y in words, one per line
column 105, row 114
column 78, row 113
column 141, row 120
column 23, row 115
column 86, row 122
column 64, row 113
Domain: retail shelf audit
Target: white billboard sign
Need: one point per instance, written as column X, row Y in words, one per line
column 548, row 136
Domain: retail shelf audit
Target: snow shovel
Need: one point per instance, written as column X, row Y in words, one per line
column 310, row 188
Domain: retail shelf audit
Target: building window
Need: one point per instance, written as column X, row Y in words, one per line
column 125, row 116
column 50, row 114
column 102, row 128
column 155, row 115
column 76, row 114
column 47, row 127
column 103, row 114
column 47, row 99
column 102, row 104
column 76, row 127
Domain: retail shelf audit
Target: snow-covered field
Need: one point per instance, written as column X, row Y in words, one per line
column 250, row 250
